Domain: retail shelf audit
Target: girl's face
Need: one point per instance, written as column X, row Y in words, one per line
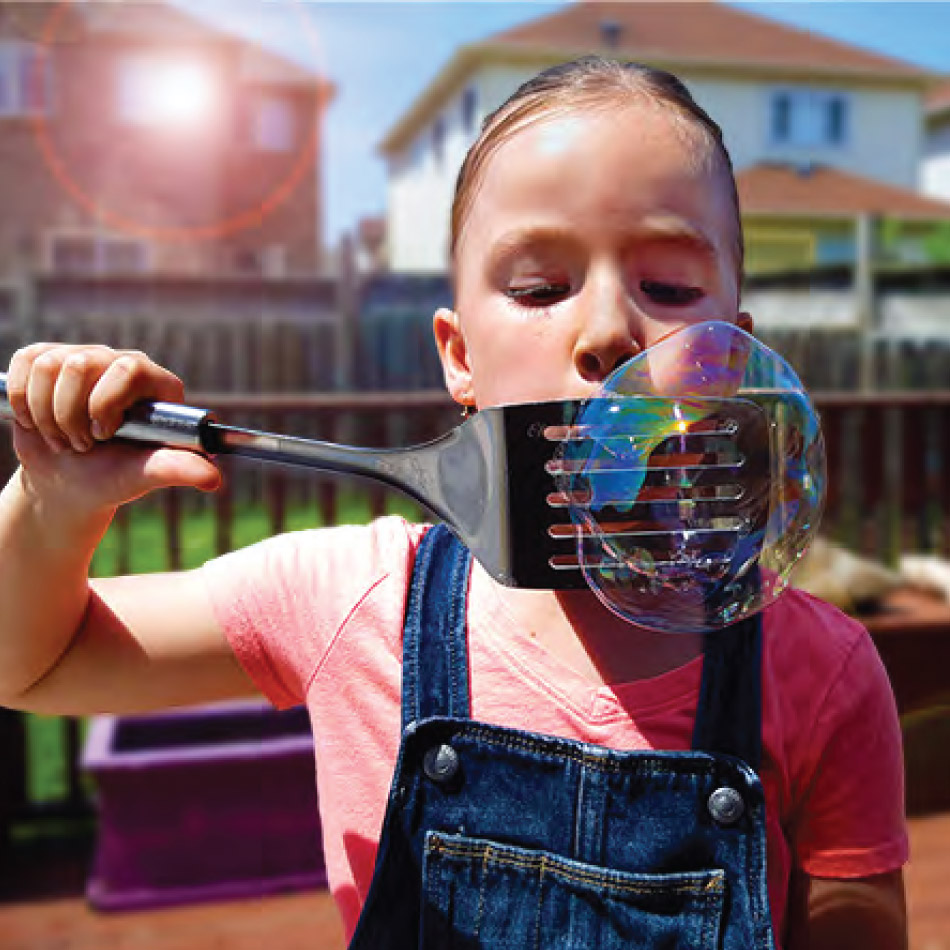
column 591, row 236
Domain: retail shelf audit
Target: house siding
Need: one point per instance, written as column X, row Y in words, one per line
column 420, row 192
column 884, row 140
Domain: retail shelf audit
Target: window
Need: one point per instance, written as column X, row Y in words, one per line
column 272, row 125
column 469, row 104
column 438, row 140
column 85, row 254
column 25, row 79
column 809, row 117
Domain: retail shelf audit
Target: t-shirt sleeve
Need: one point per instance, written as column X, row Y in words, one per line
column 282, row 602
column 850, row 819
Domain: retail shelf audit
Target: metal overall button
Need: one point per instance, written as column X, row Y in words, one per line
column 726, row 805
column 441, row 763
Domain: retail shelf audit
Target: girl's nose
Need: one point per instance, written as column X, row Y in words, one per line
column 606, row 340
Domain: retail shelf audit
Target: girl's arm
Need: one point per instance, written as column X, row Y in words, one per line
column 67, row 646
column 827, row 914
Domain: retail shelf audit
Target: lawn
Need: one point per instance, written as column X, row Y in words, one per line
column 146, row 530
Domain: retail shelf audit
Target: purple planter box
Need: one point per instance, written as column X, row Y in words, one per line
column 206, row 803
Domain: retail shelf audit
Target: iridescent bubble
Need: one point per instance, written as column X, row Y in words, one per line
column 696, row 480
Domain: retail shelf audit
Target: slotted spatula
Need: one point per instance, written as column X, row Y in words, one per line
column 504, row 483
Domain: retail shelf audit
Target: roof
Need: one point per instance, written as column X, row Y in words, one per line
column 703, row 35
column 155, row 20
column 703, row 31
column 822, row 191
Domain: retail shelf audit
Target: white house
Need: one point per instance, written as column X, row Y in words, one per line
column 801, row 114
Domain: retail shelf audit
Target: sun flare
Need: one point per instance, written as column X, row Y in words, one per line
column 174, row 93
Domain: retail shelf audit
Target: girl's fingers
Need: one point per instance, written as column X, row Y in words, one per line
column 71, row 399
column 127, row 380
column 73, row 395
column 18, row 377
column 39, row 397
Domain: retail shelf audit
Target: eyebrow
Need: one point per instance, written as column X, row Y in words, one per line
column 655, row 230
column 667, row 230
column 518, row 239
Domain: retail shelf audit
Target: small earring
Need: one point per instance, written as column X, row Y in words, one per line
column 467, row 412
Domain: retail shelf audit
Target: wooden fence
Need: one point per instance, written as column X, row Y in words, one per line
column 226, row 334
column 242, row 335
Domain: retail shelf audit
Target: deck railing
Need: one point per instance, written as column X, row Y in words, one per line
column 889, row 490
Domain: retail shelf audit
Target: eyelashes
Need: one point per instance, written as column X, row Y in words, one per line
column 671, row 295
column 539, row 295
column 660, row 292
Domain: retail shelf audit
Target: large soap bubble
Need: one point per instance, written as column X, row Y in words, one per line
column 695, row 480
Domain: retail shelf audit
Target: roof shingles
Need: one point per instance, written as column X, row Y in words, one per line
column 822, row 191
column 699, row 31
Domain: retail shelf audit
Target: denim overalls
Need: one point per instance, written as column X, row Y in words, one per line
column 497, row 838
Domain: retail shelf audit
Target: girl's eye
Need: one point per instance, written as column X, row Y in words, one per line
column 539, row 295
column 671, row 295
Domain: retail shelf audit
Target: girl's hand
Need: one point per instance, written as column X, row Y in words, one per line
column 68, row 400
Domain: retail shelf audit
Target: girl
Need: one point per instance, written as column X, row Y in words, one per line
column 596, row 213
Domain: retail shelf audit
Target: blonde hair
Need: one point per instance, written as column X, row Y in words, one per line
column 589, row 82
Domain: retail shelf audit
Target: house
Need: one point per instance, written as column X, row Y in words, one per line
column 136, row 139
column 819, row 131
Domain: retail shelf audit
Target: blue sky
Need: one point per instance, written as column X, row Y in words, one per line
column 381, row 55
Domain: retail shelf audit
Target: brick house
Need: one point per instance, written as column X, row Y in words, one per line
column 820, row 132
column 136, row 139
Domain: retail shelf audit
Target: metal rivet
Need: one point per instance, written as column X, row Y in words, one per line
column 440, row 763
column 726, row 805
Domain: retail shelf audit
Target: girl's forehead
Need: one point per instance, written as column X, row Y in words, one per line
column 559, row 134
column 605, row 171
column 622, row 159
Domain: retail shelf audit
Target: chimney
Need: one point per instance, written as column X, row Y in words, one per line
column 610, row 31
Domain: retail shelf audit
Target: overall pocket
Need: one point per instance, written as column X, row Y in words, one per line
column 481, row 895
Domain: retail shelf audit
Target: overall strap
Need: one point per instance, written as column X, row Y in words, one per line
column 435, row 641
column 729, row 715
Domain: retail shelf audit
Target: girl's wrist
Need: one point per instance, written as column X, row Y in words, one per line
column 59, row 517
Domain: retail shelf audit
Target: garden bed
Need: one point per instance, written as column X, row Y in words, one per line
column 204, row 803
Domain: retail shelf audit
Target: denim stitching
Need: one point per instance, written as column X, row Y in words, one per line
column 459, row 701
column 556, row 751
column 547, row 862
column 712, row 903
column 413, row 622
column 481, row 899
column 537, row 913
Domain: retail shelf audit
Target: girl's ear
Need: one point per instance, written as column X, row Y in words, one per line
column 744, row 321
column 453, row 352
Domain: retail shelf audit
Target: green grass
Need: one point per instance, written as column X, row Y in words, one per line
column 148, row 553
column 147, row 537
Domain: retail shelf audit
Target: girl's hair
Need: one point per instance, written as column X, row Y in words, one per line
column 591, row 81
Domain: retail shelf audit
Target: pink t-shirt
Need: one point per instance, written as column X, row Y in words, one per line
column 316, row 617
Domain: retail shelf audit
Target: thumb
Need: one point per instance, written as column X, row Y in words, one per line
column 169, row 468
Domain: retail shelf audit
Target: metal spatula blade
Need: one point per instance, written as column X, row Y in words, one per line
column 497, row 480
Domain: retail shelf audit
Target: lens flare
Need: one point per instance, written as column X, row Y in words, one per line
column 696, row 481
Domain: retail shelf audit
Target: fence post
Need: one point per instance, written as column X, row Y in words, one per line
column 25, row 306
column 347, row 302
column 13, row 792
column 864, row 228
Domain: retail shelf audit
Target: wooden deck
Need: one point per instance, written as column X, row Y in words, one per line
column 56, row 917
